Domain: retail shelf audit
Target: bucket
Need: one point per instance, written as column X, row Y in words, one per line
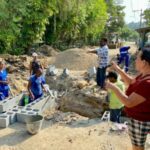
column 34, row 124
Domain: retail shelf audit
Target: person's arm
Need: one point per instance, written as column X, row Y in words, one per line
column 93, row 51
column 129, row 101
column 124, row 76
column 29, row 89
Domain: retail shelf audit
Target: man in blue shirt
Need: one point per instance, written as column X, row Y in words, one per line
column 35, row 85
column 124, row 56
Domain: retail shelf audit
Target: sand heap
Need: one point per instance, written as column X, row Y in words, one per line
column 75, row 59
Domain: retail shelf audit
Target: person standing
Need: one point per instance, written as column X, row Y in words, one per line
column 136, row 99
column 103, row 59
column 114, row 104
column 124, row 57
column 4, row 88
column 35, row 64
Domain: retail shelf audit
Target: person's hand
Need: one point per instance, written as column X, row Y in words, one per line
column 109, row 85
column 32, row 96
column 114, row 66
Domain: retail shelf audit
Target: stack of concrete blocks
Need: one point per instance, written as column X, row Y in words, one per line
column 52, row 71
column 14, row 113
column 9, row 103
column 37, row 107
column 8, row 106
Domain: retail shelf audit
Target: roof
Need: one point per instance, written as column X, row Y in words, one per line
column 145, row 30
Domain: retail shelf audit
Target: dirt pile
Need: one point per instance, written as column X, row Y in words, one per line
column 75, row 59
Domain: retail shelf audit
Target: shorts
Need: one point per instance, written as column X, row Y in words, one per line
column 138, row 131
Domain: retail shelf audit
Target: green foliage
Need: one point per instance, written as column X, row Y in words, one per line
column 128, row 34
column 147, row 16
column 57, row 22
column 116, row 18
column 78, row 21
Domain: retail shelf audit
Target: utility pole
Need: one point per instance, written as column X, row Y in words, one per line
column 140, row 16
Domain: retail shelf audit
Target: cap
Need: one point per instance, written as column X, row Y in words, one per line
column 34, row 54
column 112, row 74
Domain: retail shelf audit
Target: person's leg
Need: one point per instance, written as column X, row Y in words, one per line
column 102, row 76
column 113, row 117
column 98, row 76
column 118, row 114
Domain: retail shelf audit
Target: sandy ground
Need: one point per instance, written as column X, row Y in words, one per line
column 81, row 134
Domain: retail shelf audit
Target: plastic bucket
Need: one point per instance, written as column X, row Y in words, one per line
column 34, row 124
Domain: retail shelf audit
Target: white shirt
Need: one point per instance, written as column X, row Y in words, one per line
column 103, row 59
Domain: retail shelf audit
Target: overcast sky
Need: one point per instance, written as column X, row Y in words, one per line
column 131, row 5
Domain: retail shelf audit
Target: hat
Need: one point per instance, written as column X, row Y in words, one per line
column 34, row 54
column 112, row 74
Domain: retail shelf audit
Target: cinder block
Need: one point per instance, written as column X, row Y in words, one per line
column 23, row 115
column 12, row 117
column 9, row 103
column 65, row 73
column 4, row 121
column 52, row 71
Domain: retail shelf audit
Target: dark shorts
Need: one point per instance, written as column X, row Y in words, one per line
column 138, row 131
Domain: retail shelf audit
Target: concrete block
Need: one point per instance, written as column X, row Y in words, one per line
column 52, row 71
column 4, row 120
column 9, row 103
column 23, row 115
column 65, row 73
column 12, row 116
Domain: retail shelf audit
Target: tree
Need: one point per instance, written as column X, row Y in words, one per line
column 80, row 20
column 116, row 17
column 147, row 16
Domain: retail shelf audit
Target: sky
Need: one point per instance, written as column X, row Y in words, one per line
column 137, row 5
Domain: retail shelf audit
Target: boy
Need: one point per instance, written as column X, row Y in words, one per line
column 114, row 104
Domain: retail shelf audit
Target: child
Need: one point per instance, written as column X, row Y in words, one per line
column 114, row 104
column 35, row 85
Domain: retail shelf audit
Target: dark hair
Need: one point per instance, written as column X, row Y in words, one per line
column 146, row 54
column 112, row 74
column 104, row 39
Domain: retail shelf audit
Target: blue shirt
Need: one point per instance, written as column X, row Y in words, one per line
column 124, row 50
column 36, row 84
column 3, row 77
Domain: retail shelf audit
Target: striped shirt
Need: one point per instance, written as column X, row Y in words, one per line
column 103, row 59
